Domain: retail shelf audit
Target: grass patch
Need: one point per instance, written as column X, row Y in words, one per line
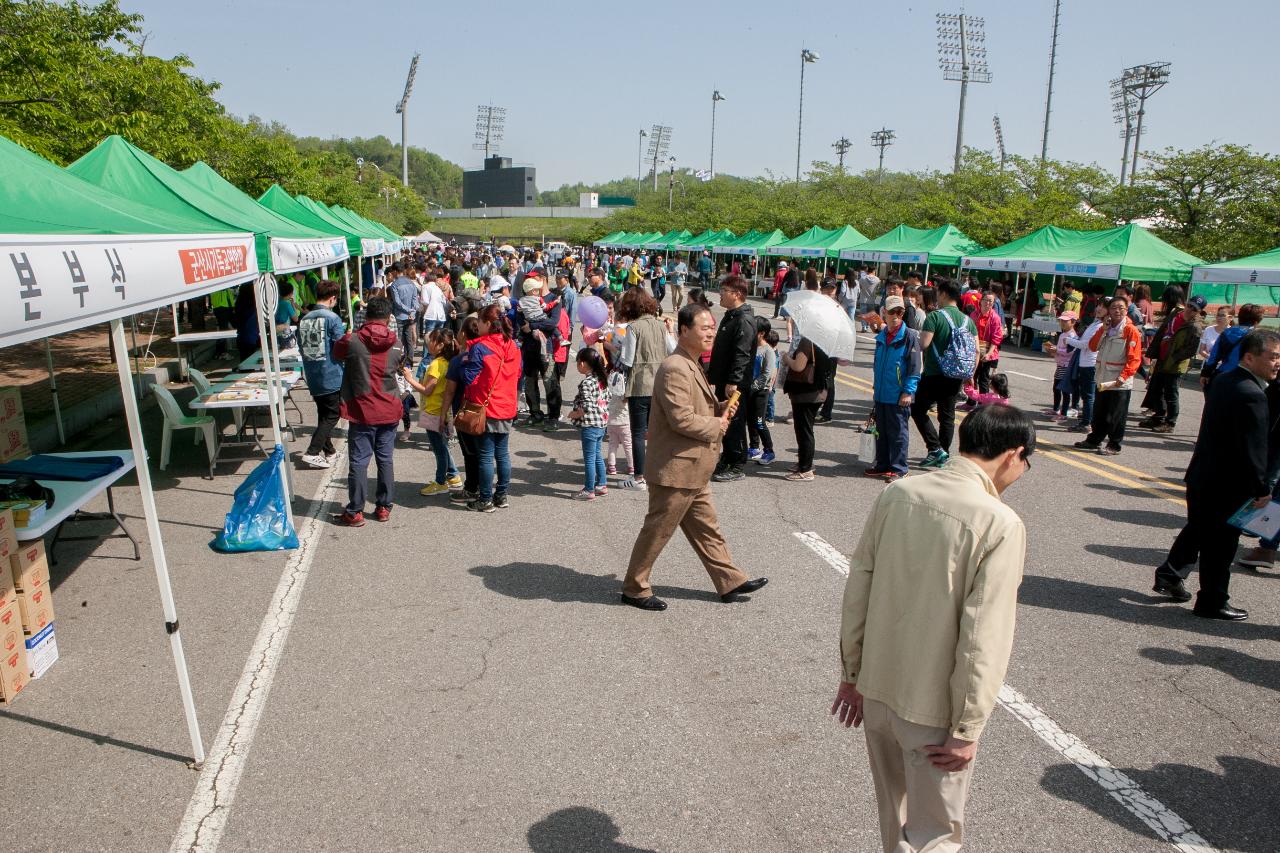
column 522, row 230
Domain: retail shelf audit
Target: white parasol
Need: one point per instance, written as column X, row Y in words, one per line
column 821, row 319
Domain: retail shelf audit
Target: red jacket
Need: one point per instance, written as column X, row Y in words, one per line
column 491, row 368
column 371, row 357
column 566, row 332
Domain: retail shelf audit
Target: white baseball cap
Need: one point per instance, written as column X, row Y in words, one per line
column 782, row 265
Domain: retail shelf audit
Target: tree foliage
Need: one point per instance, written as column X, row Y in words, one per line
column 73, row 73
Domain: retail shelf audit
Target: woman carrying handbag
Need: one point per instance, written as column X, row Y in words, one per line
column 491, row 372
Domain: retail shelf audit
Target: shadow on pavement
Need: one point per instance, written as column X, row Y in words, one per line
column 1139, row 517
column 100, row 740
column 1134, row 554
column 578, row 828
column 1232, row 811
column 1240, row 666
column 1127, row 605
column 544, row 581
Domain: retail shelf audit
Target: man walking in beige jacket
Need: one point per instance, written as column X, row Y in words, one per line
column 927, row 627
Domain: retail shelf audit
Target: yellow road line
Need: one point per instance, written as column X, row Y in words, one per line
column 1065, row 455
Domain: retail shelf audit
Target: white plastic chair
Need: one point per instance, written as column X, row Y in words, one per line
column 202, row 385
column 174, row 420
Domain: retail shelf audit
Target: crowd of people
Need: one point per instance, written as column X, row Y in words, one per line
column 480, row 345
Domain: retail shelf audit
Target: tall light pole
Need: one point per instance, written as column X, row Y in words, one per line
column 490, row 126
column 882, row 139
column 1053, row 63
column 842, row 146
column 639, row 146
column 402, row 109
column 671, row 184
column 995, row 123
column 806, row 56
column 1143, row 81
column 716, row 97
column 962, row 57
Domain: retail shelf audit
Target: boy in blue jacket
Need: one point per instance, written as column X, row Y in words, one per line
column 896, row 374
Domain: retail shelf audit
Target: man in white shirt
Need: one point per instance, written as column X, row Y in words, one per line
column 434, row 311
column 1087, row 367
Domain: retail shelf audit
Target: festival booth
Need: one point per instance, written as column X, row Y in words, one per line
column 1255, row 279
column 943, row 246
column 371, row 244
column 1127, row 253
column 281, row 245
column 708, row 239
column 820, row 243
column 393, row 241
column 753, row 244
column 80, row 255
column 636, row 241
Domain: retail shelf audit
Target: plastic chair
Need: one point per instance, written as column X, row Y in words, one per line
column 174, row 420
column 202, row 385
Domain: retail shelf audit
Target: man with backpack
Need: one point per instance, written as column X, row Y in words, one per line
column 949, row 342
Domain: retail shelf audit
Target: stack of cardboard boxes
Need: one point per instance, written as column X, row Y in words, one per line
column 27, row 644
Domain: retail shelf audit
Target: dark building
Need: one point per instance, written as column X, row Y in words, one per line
column 498, row 184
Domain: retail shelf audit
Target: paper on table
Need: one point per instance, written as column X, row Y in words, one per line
column 1263, row 522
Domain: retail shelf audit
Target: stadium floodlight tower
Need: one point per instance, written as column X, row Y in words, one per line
column 882, row 139
column 402, row 109
column 1143, row 81
column 1124, row 105
column 962, row 56
column 659, row 145
column 806, row 56
column 491, row 123
column 995, row 123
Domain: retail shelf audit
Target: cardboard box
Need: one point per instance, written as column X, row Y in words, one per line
column 37, row 609
column 14, row 671
column 13, row 426
column 8, row 592
column 8, row 538
column 30, row 568
column 41, row 651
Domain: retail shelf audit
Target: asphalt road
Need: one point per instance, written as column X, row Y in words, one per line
column 456, row 681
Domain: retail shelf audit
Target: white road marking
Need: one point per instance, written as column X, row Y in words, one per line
column 1162, row 820
column 210, row 806
column 826, row 551
column 1128, row 793
column 1028, row 376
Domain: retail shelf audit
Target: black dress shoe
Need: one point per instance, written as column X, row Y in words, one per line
column 744, row 589
column 1225, row 612
column 1175, row 589
column 651, row 602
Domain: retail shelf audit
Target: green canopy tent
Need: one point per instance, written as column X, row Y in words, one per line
column 664, row 242
column 371, row 244
column 943, row 246
column 282, row 244
column 608, row 239
column 393, row 239
column 1128, row 252
column 284, row 204
column 808, row 244
column 1255, row 278
column 637, row 241
column 81, row 255
column 708, row 239
column 753, row 243
column 203, row 175
column 843, row 240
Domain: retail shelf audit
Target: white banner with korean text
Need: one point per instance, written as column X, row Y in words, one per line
column 291, row 255
column 50, row 284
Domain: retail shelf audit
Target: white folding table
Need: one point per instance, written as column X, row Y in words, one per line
column 70, row 495
column 258, row 398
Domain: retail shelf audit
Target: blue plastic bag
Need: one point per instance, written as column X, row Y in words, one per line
column 259, row 518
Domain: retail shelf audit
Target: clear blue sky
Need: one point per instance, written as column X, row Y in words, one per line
column 579, row 79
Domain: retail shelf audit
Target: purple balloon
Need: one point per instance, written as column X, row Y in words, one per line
column 593, row 312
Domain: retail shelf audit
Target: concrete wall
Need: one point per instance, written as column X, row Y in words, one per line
column 511, row 212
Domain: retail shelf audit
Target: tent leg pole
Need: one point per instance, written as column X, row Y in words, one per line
column 266, row 286
column 157, row 545
column 346, row 296
column 53, row 393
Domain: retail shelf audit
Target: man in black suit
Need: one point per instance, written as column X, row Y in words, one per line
column 1228, row 468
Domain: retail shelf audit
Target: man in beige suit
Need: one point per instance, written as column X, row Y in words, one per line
column 685, row 427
